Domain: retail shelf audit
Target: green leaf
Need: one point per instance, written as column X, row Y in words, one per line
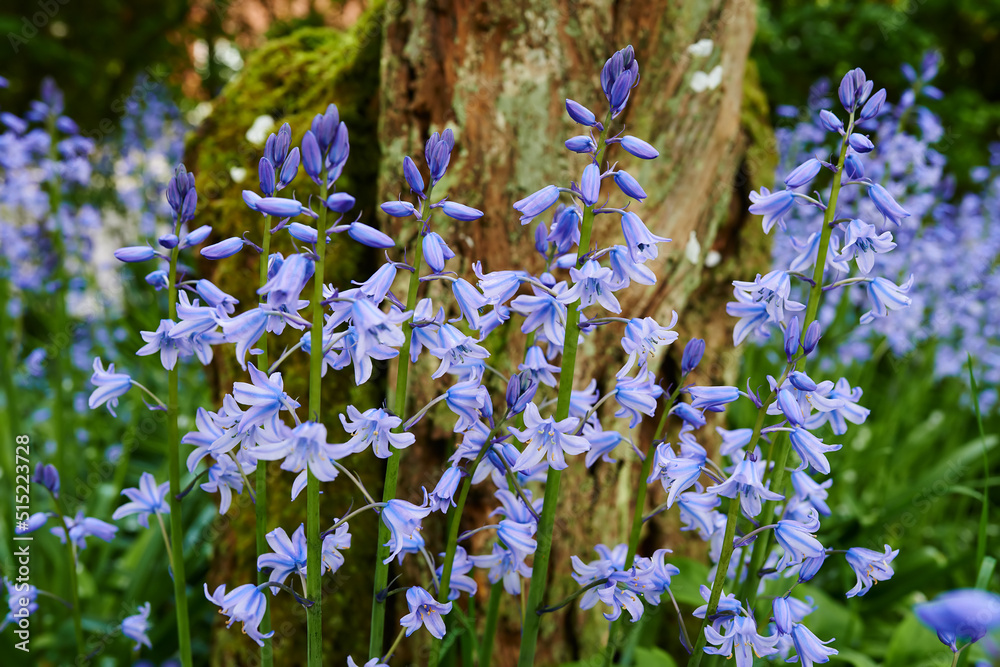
column 685, row 586
column 653, row 657
column 912, row 644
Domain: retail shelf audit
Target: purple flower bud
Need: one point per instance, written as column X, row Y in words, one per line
column 189, row 206
column 792, row 333
column 580, row 113
column 860, row 143
column 542, row 239
column 436, row 251
column 629, row 185
column 265, row 173
column 137, row 253
column 638, row 147
column 810, row 568
column 250, row 198
column 813, row 334
column 303, row 233
column 269, row 147
column 620, row 91
column 399, row 209
column 783, row 618
column 47, row 475
column 168, row 241
column 581, row 144
column 340, row 202
column 693, row 352
column 280, row 207
column 369, row 236
column 536, row 203
column 853, row 168
column 886, row 205
column 282, row 142
column 850, row 86
column 873, row 106
column 158, row 279
column 67, row 125
column 804, row 173
column 437, row 153
column 790, row 407
column 521, row 388
column 801, row 381
column 289, row 169
column 196, row 237
column 413, row 177
column 460, row 211
column 590, row 184
column 830, row 122
column 312, row 158
column 223, row 249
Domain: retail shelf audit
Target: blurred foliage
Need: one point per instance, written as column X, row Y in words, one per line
column 93, row 49
column 801, row 41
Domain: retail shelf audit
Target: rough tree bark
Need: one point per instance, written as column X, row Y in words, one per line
column 497, row 74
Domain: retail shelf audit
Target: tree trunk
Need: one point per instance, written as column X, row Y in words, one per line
column 497, row 74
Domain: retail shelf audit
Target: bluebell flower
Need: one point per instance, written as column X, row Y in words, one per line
column 640, row 242
column 602, row 443
column 374, row 427
column 742, row 639
column 196, row 236
column 82, row 527
column 873, row 106
column 469, row 301
column 625, row 270
column 854, row 169
column 813, row 333
column 697, row 512
column 399, row 209
column 854, row 89
column 620, row 598
column 141, row 253
column 460, row 581
column 168, row 241
column 403, row 519
column 521, row 388
column 499, row 286
column 580, row 113
column 637, row 147
column 592, row 283
column 312, row 157
column 870, row 567
column 168, row 346
column 266, row 397
column 836, row 404
column 798, row 540
column 628, row 185
column 424, row 611
column 810, row 567
column 809, row 491
column 565, row 232
column 224, row 476
column 536, row 369
column 137, row 626
column 304, row 233
column 223, row 249
column 437, row 153
column 804, row 173
column 47, row 476
column 339, row 202
column 860, row 143
column 788, row 611
column 377, row 335
column 547, row 439
column 413, row 177
column 811, row 450
column 542, row 311
column 712, row 399
column 303, row 449
column 677, row 473
column 745, row 483
column 693, row 352
column 460, row 211
column 436, row 251
column 583, row 143
column 369, row 236
column 442, row 498
column 289, row 554
column 773, row 206
column 245, row 330
column 688, row 414
column 459, row 354
column 266, row 176
column 289, row 169
column 886, row 205
column 517, row 536
column 110, row 386
column 374, row 662
column 637, row 396
column 215, row 297
column 536, row 203
column 590, row 184
column 245, row 604
column 809, row 648
column 965, row 615
column 283, row 289
column 503, row 565
column 885, row 296
column 145, row 500
column 21, row 602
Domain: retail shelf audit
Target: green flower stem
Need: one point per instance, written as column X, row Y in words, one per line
column 640, row 504
column 260, row 505
column 314, row 614
column 174, row 466
column 398, row 405
column 73, row 584
column 540, row 564
column 7, row 347
column 782, row 445
column 490, row 630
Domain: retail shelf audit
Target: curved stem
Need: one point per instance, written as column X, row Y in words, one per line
column 540, row 564
column 395, row 644
column 349, row 516
column 73, row 583
column 149, row 393
column 355, row 479
column 166, row 540
column 398, row 406
column 174, row 467
column 577, row 593
column 314, row 614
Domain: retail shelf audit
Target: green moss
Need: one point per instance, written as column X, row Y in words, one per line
column 291, row 79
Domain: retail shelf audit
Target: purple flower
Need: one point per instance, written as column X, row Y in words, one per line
column 860, row 143
column 47, row 476
column 303, row 448
column 742, row 638
column 369, row 236
column 629, row 186
column 284, row 287
column 459, row 582
column 139, row 253
column 266, row 397
column 147, row 499
column 82, row 527
column 137, row 626
column 580, row 113
column 413, row 177
column 712, row 398
column 245, row 604
column 374, row 427
column 110, row 386
column 641, row 340
column 640, row 242
column 424, row 611
column 870, row 567
column 399, row 209
column 548, row 440
column 811, row 449
column 745, row 483
column 592, row 284
column 223, row 249
column 798, row 540
column 436, row 251
column 163, row 341
column 638, row 147
column 693, row 352
column 437, row 153
column 886, row 205
column 637, row 396
column 442, row 498
column 962, row 615
column 885, row 296
column 536, row 203
column 773, row 206
column 804, row 173
column 469, row 301
column 340, row 202
column 590, row 184
column 809, row 647
column 403, row 519
column 460, row 211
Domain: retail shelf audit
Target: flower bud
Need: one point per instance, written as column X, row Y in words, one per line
column 693, row 352
column 792, row 333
